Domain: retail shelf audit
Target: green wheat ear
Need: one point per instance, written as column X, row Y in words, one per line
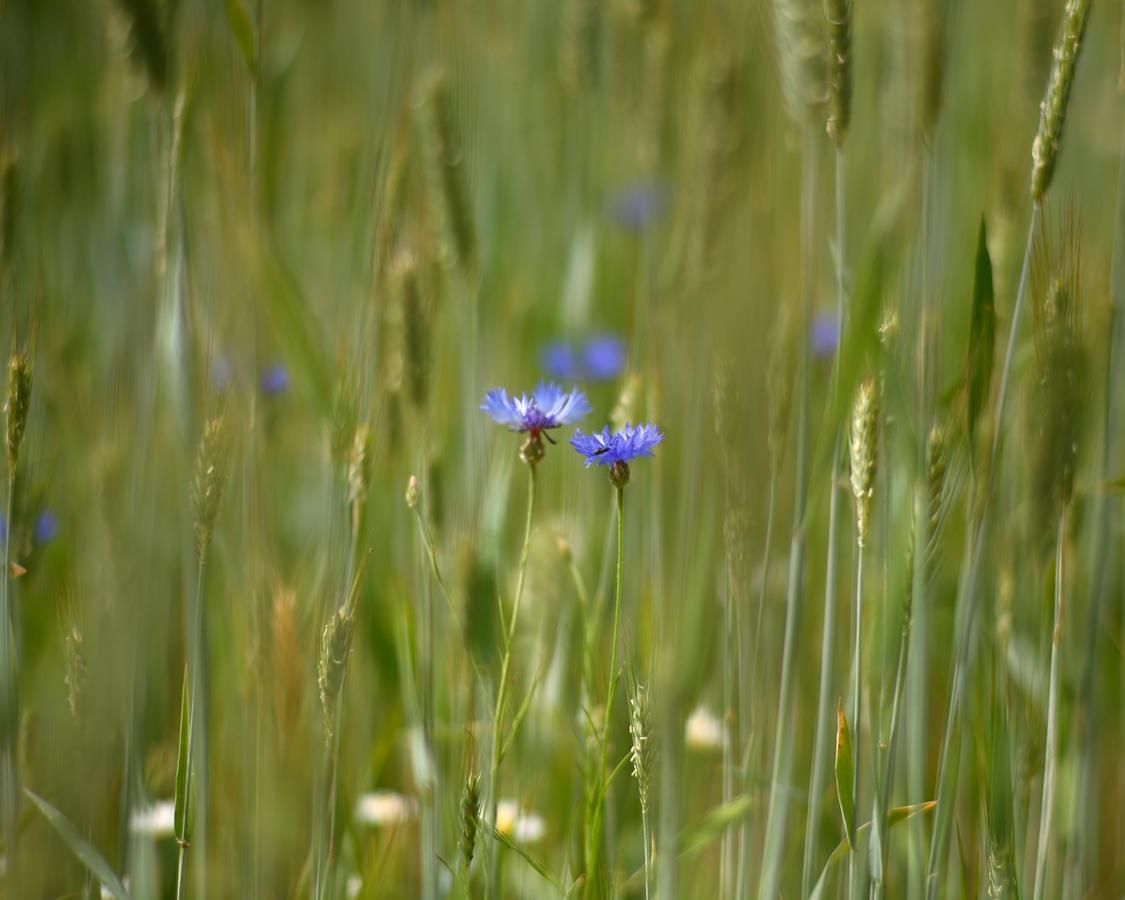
column 470, row 817
column 642, row 750
column 445, row 170
column 1052, row 111
column 802, row 46
column 210, row 479
column 18, row 406
column 839, row 16
column 864, row 449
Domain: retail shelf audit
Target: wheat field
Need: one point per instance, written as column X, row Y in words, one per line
column 600, row 448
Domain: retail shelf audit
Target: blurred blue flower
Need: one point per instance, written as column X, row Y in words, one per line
column 46, row 527
column 637, row 205
column 824, row 334
column 600, row 358
column 622, row 446
column 603, row 357
column 560, row 361
column 221, row 372
column 274, row 379
column 549, row 406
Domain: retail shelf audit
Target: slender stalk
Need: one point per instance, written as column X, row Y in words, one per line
column 782, row 756
column 1050, row 763
column 916, row 588
column 502, row 686
column 731, row 657
column 828, row 639
column 1087, row 798
column 1083, row 817
column 646, row 836
column 947, row 774
column 191, row 685
column 596, row 814
column 332, row 761
column 429, row 859
column 8, row 669
column 751, row 692
column 857, row 709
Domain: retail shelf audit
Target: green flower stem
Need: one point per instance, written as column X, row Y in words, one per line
column 596, row 814
column 502, row 686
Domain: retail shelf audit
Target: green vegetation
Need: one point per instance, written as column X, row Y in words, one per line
column 284, row 614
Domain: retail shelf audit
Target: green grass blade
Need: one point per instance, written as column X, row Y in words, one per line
column 543, row 871
column 845, row 772
column 896, row 816
column 181, row 825
column 242, row 30
column 699, row 836
column 982, row 332
column 80, row 847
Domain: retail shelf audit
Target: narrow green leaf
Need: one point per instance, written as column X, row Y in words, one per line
column 242, row 30
column 845, row 774
column 895, row 816
column 294, row 325
column 982, row 333
column 1114, row 486
column 80, row 847
column 697, row 837
column 182, row 763
column 543, row 871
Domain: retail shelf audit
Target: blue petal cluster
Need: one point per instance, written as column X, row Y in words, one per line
column 600, row 358
column 637, row 205
column 549, row 406
column 274, row 379
column 605, row 448
column 824, row 335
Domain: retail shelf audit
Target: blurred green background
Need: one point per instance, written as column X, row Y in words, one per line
column 249, row 208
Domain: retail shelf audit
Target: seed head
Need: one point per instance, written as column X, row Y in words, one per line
column 801, row 39
column 1052, row 111
column 75, row 657
column 445, row 160
column 643, row 749
column 416, row 333
column 210, row 479
column 19, row 403
column 413, row 494
column 839, row 15
column 359, row 465
column 470, row 817
column 864, row 454
column 335, row 643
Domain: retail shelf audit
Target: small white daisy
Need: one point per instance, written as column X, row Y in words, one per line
column 157, row 821
column 379, row 808
column 520, row 825
column 704, row 730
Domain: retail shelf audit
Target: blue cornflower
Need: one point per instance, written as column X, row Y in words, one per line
column 549, row 406
column 637, row 205
column 824, row 334
column 274, row 379
column 600, row 358
column 603, row 357
column 46, row 527
column 617, row 449
column 560, row 361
